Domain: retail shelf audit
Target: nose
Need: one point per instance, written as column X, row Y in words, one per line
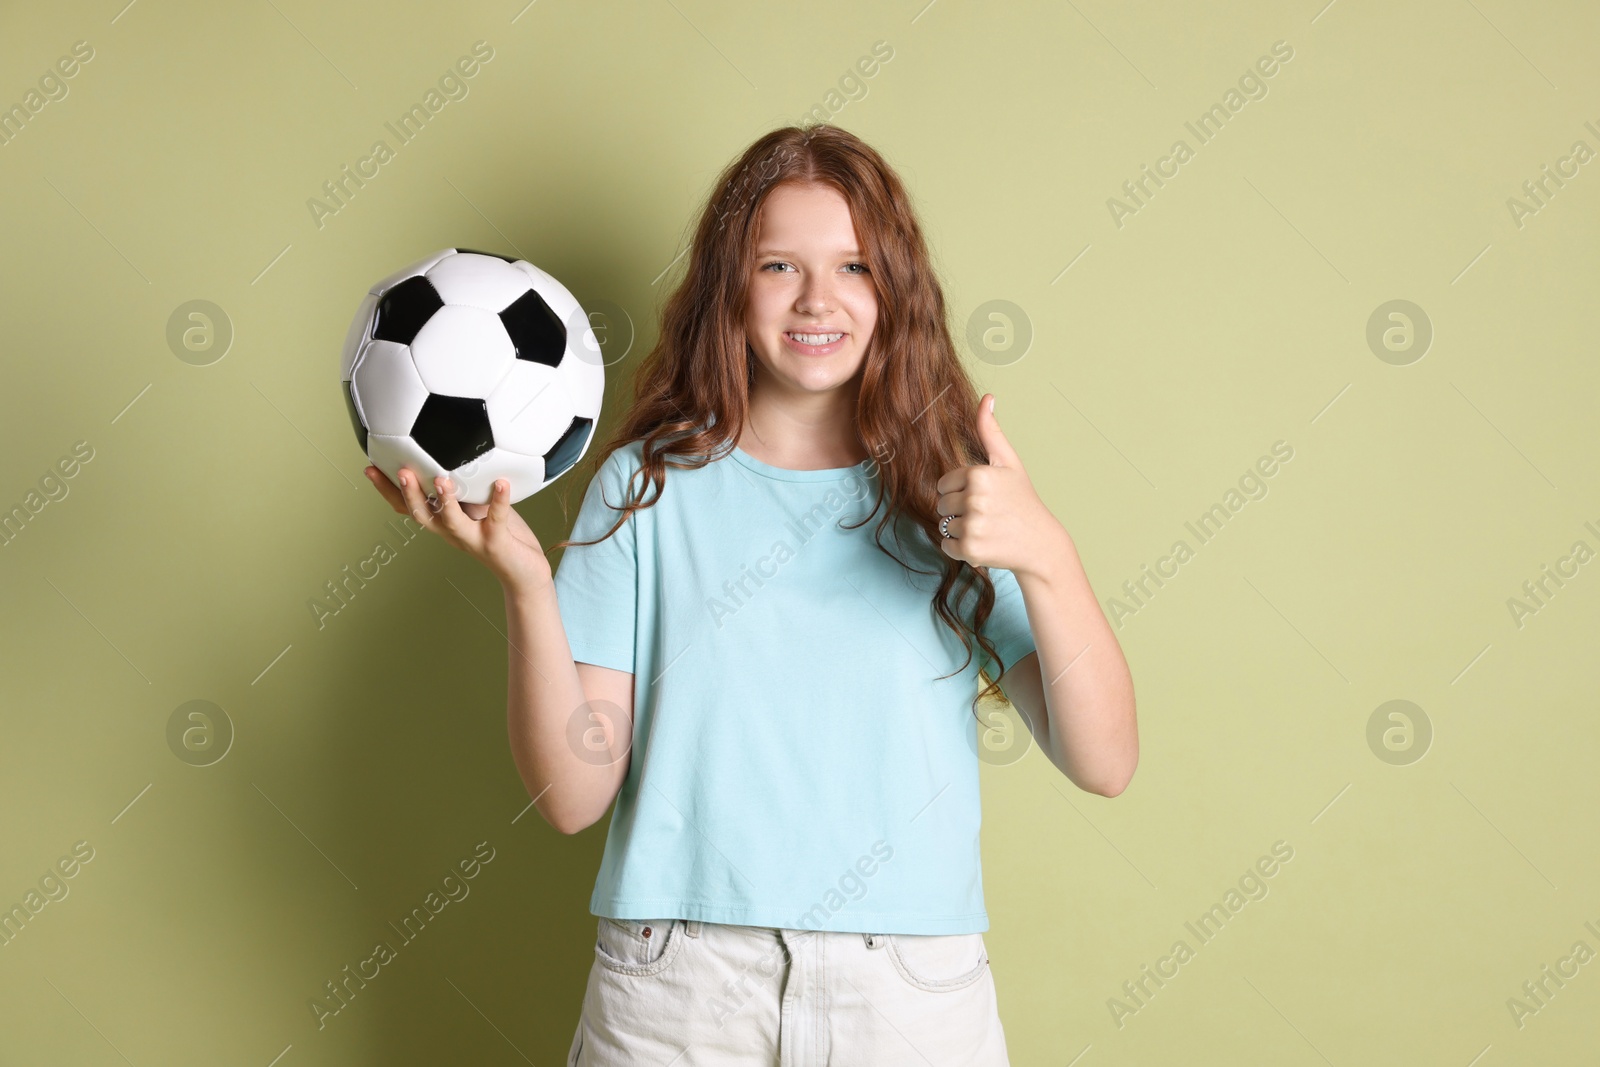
column 816, row 296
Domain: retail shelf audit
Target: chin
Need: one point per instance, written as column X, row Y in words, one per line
column 819, row 379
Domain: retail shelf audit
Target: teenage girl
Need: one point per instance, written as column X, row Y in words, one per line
column 775, row 690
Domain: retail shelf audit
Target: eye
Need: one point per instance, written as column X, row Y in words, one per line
column 780, row 263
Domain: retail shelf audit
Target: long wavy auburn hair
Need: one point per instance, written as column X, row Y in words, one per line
column 917, row 411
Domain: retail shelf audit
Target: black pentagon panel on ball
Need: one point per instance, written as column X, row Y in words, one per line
column 538, row 335
column 355, row 416
column 565, row 452
column 496, row 255
column 404, row 309
column 453, row 429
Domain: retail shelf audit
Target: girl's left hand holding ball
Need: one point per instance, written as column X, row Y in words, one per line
column 492, row 533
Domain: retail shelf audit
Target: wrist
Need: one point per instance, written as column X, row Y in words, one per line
column 524, row 587
column 1055, row 560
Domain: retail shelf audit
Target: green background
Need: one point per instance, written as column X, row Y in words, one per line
column 1230, row 312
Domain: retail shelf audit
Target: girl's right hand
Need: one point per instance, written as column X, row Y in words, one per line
column 492, row 533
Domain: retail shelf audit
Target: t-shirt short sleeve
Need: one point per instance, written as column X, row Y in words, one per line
column 1007, row 625
column 596, row 585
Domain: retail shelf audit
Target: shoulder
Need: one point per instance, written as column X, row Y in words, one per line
column 623, row 462
column 618, row 476
column 618, row 466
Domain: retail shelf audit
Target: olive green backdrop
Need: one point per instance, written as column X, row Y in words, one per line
column 1150, row 347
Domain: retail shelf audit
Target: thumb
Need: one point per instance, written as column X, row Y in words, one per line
column 1001, row 454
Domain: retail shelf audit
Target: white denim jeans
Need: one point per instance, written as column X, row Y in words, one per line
column 681, row 993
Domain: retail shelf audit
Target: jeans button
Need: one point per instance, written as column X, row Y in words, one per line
column 646, row 931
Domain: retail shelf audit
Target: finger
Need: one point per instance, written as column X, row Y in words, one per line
column 1001, row 454
column 951, row 503
column 500, row 502
column 416, row 504
column 449, row 511
column 387, row 489
column 952, row 481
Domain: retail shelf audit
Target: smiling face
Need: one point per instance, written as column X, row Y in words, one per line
column 811, row 305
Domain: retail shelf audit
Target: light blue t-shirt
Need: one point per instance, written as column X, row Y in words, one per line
column 794, row 763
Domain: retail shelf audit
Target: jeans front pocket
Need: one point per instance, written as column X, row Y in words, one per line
column 638, row 947
column 938, row 963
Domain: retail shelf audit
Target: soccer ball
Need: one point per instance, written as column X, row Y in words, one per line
column 472, row 365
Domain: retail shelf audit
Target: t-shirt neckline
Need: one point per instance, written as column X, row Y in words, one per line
column 787, row 474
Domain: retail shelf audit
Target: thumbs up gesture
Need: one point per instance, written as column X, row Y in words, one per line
column 999, row 521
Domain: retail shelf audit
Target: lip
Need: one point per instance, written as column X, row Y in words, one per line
column 815, row 350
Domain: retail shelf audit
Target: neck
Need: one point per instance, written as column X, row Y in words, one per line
column 802, row 430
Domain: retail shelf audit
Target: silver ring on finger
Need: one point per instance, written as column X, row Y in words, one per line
column 944, row 526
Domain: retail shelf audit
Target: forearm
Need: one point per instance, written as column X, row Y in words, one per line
column 1088, row 688
column 571, row 784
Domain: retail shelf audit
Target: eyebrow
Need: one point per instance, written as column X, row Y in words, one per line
column 787, row 252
